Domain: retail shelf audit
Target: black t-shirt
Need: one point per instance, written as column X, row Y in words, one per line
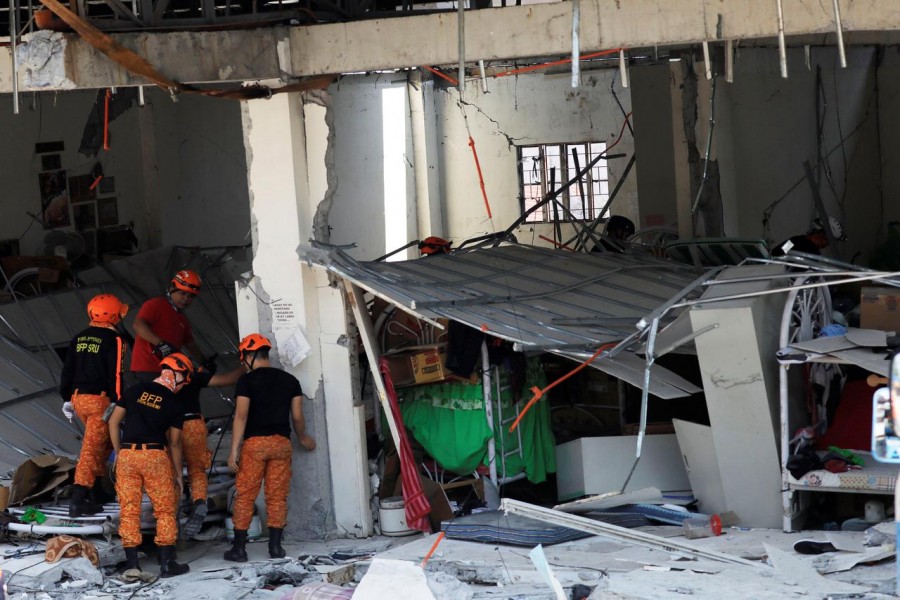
column 270, row 391
column 800, row 243
column 93, row 364
column 150, row 409
column 189, row 395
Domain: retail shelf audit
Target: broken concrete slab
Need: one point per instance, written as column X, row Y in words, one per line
column 42, row 575
column 395, row 579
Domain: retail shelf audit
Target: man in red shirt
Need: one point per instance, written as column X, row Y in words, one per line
column 162, row 327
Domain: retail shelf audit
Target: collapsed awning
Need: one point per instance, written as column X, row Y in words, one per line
column 561, row 302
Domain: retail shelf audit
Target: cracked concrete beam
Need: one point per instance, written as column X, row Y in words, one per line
column 60, row 61
column 517, row 32
column 545, row 30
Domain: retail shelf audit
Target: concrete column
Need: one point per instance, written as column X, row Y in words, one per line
column 304, row 316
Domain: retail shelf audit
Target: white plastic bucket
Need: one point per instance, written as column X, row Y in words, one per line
column 392, row 515
column 253, row 532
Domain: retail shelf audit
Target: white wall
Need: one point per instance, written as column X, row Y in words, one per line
column 199, row 148
column 530, row 109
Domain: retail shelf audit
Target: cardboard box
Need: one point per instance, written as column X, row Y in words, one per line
column 880, row 308
column 423, row 365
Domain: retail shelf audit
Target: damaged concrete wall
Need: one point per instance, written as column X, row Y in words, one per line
column 766, row 129
column 526, row 109
column 202, row 170
column 198, row 175
column 357, row 215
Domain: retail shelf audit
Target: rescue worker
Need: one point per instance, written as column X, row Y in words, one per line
column 153, row 420
column 615, row 235
column 91, row 379
column 267, row 401
column 433, row 245
column 162, row 327
column 195, row 449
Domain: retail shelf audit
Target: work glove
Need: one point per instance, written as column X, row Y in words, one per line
column 163, row 349
column 210, row 365
column 68, row 411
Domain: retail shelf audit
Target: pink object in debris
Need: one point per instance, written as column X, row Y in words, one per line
column 319, row 591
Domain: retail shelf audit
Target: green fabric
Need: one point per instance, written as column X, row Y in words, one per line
column 449, row 421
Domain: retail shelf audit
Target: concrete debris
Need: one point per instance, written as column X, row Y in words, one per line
column 395, row 579
column 42, row 60
column 447, row 587
column 882, row 534
column 45, row 576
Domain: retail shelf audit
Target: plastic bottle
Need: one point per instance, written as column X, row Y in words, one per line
column 701, row 527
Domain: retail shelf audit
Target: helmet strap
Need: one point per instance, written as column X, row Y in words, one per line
column 172, row 302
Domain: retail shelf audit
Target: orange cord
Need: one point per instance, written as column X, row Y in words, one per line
column 555, row 243
column 539, row 393
column 433, row 548
column 441, row 75
column 557, row 62
column 106, row 119
column 487, row 205
column 96, row 183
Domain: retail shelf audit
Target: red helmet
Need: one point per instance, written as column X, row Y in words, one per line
column 179, row 363
column 186, row 281
column 106, row 308
column 434, row 245
column 253, row 342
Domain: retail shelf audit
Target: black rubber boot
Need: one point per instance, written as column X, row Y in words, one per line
column 275, row 549
column 167, row 565
column 195, row 519
column 238, row 552
column 93, row 505
column 131, row 559
column 79, row 504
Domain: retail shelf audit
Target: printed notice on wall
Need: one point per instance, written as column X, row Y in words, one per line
column 293, row 346
column 283, row 313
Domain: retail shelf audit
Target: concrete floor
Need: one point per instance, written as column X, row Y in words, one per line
column 616, row 569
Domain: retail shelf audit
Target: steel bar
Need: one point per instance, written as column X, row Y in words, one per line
column 640, row 538
column 623, row 68
column 709, row 139
column 576, row 51
column 729, row 61
column 484, row 84
column 839, row 30
column 461, row 31
column 487, row 389
column 13, row 14
column 782, row 50
column 707, row 62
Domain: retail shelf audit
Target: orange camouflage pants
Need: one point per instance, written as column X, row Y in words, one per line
column 95, row 447
column 197, row 456
column 264, row 457
column 150, row 470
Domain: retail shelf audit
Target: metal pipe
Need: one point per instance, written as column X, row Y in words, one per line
column 729, row 61
column 486, row 391
column 633, row 536
column 484, row 85
column 782, row 50
column 839, row 30
column 706, row 61
column 645, row 392
column 13, row 30
column 461, row 30
column 623, row 71
column 709, row 138
column 576, row 51
column 141, row 96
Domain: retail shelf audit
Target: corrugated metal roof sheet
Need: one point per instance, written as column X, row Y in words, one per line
column 543, row 299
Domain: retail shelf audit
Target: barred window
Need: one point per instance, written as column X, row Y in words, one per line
column 545, row 167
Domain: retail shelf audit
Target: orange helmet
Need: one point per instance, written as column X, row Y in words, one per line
column 434, row 245
column 179, row 363
column 106, row 308
column 253, row 342
column 186, row 281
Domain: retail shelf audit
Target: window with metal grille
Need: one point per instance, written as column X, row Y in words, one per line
column 545, row 167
